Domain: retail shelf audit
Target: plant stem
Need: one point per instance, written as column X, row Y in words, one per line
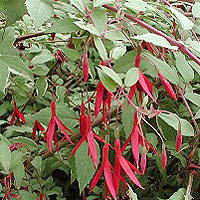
column 181, row 47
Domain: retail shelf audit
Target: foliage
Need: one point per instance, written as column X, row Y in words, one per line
column 99, row 99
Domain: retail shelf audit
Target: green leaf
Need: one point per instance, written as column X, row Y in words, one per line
column 179, row 195
column 195, row 66
column 138, row 5
column 5, row 156
column 101, row 48
column 167, row 71
column 40, row 11
column 7, row 40
column 19, row 173
column 88, row 27
column 65, row 25
column 172, row 120
column 16, row 66
column 112, row 74
column 15, row 10
column 184, row 68
column 127, row 119
column 131, row 77
column 196, row 10
column 20, row 129
column 156, row 40
column 99, row 3
column 27, row 195
column 16, row 158
column 197, row 116
column 117, row 52
column 78, row 4
column 193, row 97
column 4, row 75
column 100, row 19
column 84, row 166
column 108, row 83
column 44, row 57
column 41, row 86
column 37, row 162
column 72, row 54
column 184, row 21
column 125, row 63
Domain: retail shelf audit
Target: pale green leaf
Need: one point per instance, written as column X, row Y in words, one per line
column 15, row 10
column 156, row 40
column 72, row 54
column 100, row 19
column 196, row 10
column 112, row 74
column 184, row 68
column 108, row 83
column 99, row 3
column 197, row 116
column 125, row 63
column 65, row 25
column 7, row 40
column 138, row 5
column 184, row 21
column 16, row 65
column 4, row 75
column 195, row 66
column 84, row 166
column 117, row 52
column 41, row 86
column 42, row 58
column 88, row 27
column 132, row 195
column 179, row 195
column 172, row 120
column 19, row 173
column 37, row 163
column 131, row 77
column 40, row 11
column 78, row 4
column 193, row 97
column 101, row 48
column 5, row 156
column 16, row 158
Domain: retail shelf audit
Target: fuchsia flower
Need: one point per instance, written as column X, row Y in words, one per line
column 17, row 114
column 106, row 169
column 60, row 56
column 51, row 130
column 178, row 140
column 164, row 157
column 88, row 135
column 168, row 87
column 143, row 82
column 85, row 66
column 37, row 127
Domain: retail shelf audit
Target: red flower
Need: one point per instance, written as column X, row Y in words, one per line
column 164, row 157
column 37, row 127
column 55, row 122
column 168, row 87
column 122, row 163
column 85, row 66
column 60, row 56
column 106, row 169
column 178, row 140
column 87, row 134
column 17, row 114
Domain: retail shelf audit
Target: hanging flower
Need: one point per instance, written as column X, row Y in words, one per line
column 106, row 170
column 52, row 127
column 17, row 114
column 168, row 87
column 37, row 127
